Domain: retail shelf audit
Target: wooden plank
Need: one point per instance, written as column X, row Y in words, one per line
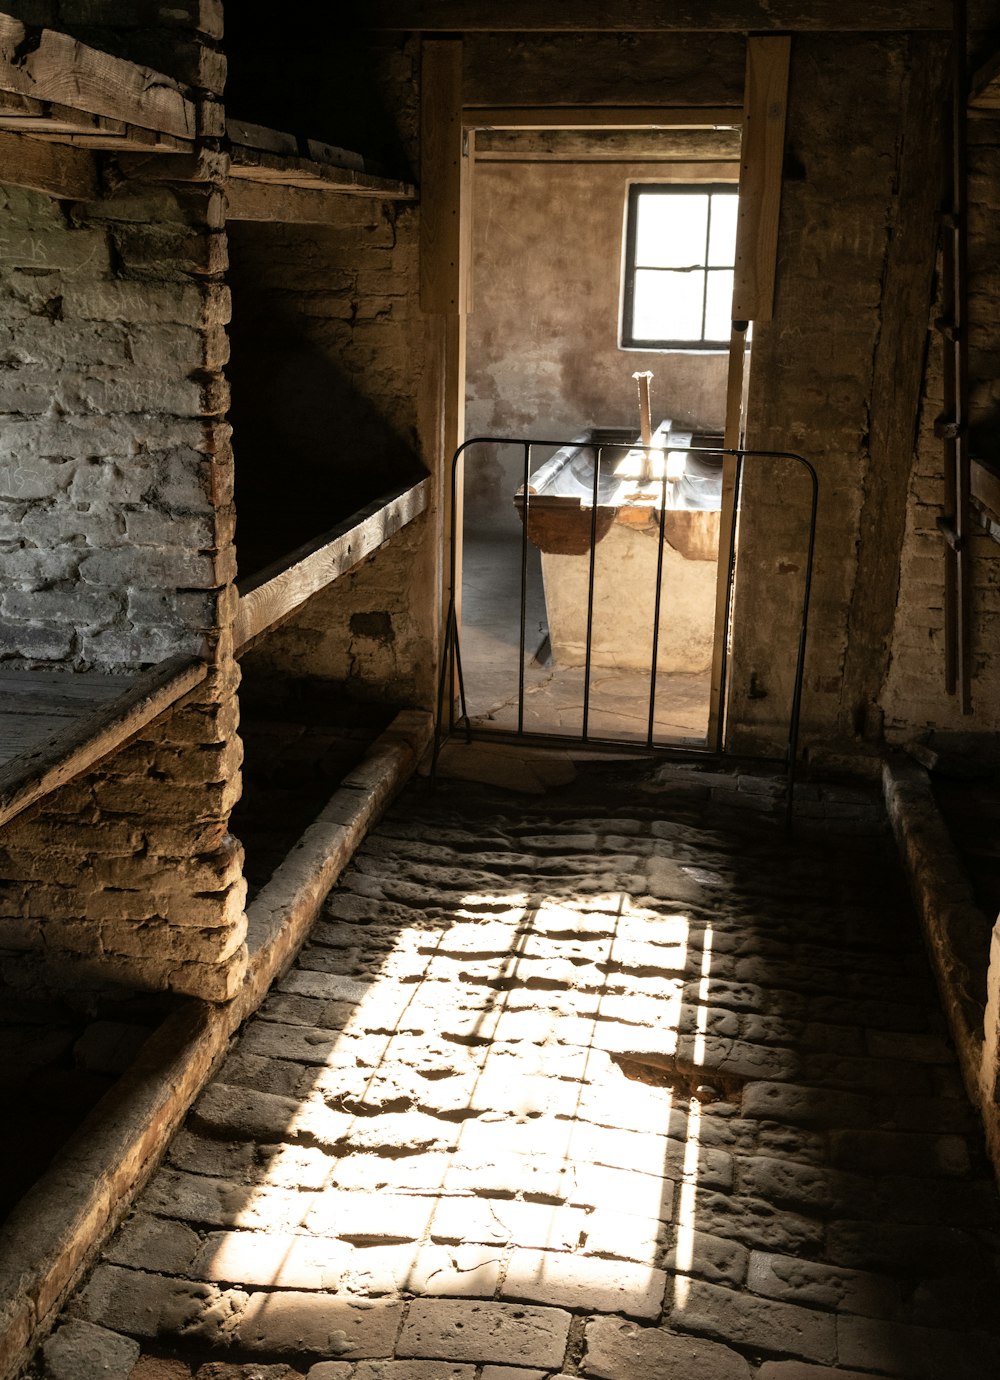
column 600, row 117
column 257, row 165
column 100, row 729
column 260, row 137
column 636, row 16
column 732, row 440
column 984, row 88
column 51, row 66
column 67, row 173
column 273, row 201
column 985, row 487
column 440, row 175
column 270, row 596
column 765, row 104
column 628, row 145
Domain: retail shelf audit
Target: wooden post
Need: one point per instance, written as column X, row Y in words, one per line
column 765, row 101
column 445, row 253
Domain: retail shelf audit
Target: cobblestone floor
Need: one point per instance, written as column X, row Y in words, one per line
column 602, row 1084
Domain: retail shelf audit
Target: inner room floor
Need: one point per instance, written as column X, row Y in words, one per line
column 553, row 695
column 607, row 1083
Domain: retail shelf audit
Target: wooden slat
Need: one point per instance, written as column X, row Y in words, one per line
column 984, row 88
column 631, row 16
column 600, row 117
column 272, row 201
column 260, row 166
column 622, row 145
column 441, row 175
column 984, row 486
column 99, row 729
column 67, row 173
column 267, row 598
column 765, row 103
column 55, row 67
column 732, row 440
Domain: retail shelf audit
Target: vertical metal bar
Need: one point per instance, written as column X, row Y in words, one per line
column 588, row 655
column 524, row 587
column 657, row 601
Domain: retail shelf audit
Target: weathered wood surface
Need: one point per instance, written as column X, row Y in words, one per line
column 54, row 725
column 599, row 117
column 51, row 66
column 273, row 201
column 441, row 179
column 603, row 145
column 766, row 103
column 985, row 488
column 984, row 88
column 274, row 593
column 286, row 170
column 625, row 16
column 67, row 173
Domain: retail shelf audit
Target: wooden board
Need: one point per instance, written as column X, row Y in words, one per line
column 625, row 146
column 441, row 176
column 765, row 104
column 40, row 751
column 270, row 596
column 631, row 16
column 272, row 201
column 984, row 88
column 53, row 66
column 67, row 173
column 600, row 117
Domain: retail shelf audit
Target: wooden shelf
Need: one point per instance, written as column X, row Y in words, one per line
column 984, row 482
column 984, row 88
column 54, row 725
column 269, row 171
column 267, row 598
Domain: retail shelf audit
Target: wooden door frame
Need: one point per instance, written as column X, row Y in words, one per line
column 448, row 131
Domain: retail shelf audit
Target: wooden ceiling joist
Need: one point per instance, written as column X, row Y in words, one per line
column 636, row 16
column 264, row 160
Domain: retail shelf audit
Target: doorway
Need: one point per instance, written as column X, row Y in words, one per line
column 546, row 358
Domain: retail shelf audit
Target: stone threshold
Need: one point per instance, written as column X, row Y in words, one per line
column 54, row 1234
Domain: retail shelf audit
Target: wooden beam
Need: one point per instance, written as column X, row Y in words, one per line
column 270, row 596
column 49, row 66
column 67, row 173
column 255, row 165
column 620, row 145
column 765, row 103
column 441, row 176
column 984, row 88
column 636, row 16
column 98, row 729
column 601, row 117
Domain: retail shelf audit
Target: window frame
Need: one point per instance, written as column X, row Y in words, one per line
column 628, row 340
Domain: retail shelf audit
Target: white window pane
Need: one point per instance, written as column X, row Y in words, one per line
column 671, row 230
column 668, row 306
column 722, row 231
column 719, row 304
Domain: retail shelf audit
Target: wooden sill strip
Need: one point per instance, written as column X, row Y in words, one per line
column 269, row 597
column 56, row 724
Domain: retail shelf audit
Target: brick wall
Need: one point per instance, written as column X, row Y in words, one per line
column 915, row 695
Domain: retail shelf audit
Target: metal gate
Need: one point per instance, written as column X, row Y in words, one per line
column 453, row 709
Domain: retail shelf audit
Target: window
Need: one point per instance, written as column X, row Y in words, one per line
column 680, row 248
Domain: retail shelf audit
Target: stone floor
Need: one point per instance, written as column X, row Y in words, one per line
column 607, row 1083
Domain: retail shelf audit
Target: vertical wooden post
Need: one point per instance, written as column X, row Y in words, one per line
column 765, row 101
column 445, row 253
